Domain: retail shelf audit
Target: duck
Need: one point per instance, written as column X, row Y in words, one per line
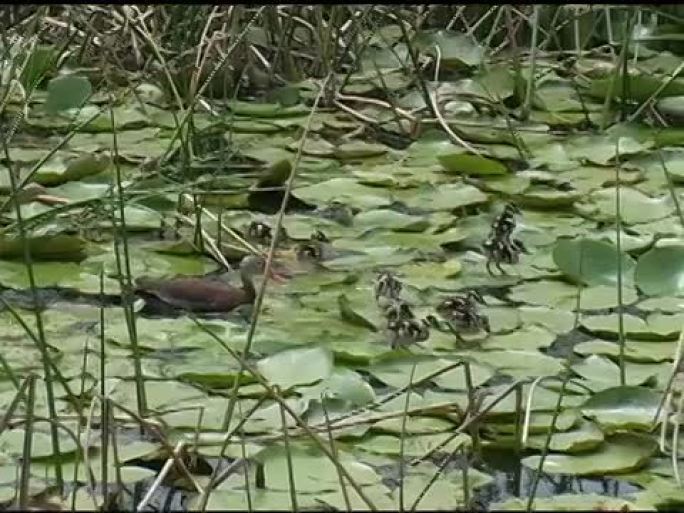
column 397, row 309
column 460, row 313
column 405, row 332
column 199, row 294
column 387, row 286
column 502, row 250
column 262, row 233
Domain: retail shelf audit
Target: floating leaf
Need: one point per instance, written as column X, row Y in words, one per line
column 569, row 502
column 623, row 407
column 660, row 271
column 585, row 438
column 622, row 453
column 471, row 165
column 635, row 206
column 590, row 261
column 349, row 315
column 455, row 49
column 299, row 366
column 67, row 92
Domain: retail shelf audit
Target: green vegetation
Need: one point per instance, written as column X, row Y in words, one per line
column 340, row 142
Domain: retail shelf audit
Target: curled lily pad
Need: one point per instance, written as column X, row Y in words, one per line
column 590, row 261
column 660, row 271
column 351, row 316
column 55, row 247
column 623, row 407
column 622, row 453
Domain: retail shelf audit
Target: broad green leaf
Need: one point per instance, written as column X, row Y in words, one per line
column 472, row 165
column 661, row 271
column 591, row 262
column 622, row 453
column 623, row 408
column 299, row 366
column 67, row 92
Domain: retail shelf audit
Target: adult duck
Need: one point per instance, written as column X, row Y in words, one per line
column 206, row 295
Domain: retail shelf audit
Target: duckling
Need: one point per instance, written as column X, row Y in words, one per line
column 310, row 251
column 262, row 233
column 338, row 212
column 387, row 285
column 397, row 309
column 460, row 313
column 504, row 224
column 504, row 250
column 319, row 236
column 404, row 332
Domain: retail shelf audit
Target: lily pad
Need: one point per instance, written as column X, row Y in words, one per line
column 623, row 408
column 345, row 190
column 569, row 502
column 622, row 453
column 297, row 366
column 591, row 262
column 446, row 197
column 472, row 165
column 660, row 271
column 635, row 206
column 586, row 437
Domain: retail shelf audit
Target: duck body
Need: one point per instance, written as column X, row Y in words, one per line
column 195, row 294
column 204, row 294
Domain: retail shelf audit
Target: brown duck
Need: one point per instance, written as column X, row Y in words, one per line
column 206, row 295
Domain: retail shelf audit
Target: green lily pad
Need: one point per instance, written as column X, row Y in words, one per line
column 601, row 373
column 414, row 446
column 472, row 165
column 349, row 315
column 590, row 261
column 446, row 197
column 635, row 206
column 455, row 49
column 623, row 408
column 520, row 364
column 622, row 453
column 67, row 92
column 431, row 274
column 569, row 502
column 358, row 150
column 660, row 271
column 602, row 150
column 635, row 350
column 265, row 110
column 655, row 327
column 297, row 366
column 586, row 437
column 345, row 190
column 390, row 220
column 57, row 170
column 343, row 384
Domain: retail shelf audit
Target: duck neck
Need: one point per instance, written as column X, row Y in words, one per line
column 248, row 284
